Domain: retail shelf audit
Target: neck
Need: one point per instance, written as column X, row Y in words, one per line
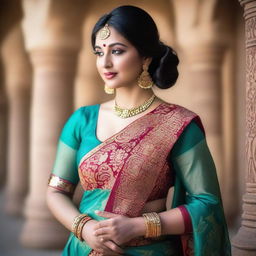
column 127, row 98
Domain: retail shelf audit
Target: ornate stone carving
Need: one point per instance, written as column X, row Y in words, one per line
column 244, row 243
column 251, row 106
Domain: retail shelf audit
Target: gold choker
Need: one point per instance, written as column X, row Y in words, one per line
column 125, row 113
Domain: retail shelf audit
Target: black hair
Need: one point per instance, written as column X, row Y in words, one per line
column 137, row 26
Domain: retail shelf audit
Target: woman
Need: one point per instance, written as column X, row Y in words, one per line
column 130, row 151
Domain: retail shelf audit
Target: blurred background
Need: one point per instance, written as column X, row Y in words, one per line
column 47, row 70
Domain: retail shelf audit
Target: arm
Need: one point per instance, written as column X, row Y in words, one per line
column 60, row 190
column 57, row 200
column 61, row 187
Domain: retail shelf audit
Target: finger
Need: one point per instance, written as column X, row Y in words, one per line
column 102, row 224
column 106, row 214
column 104, row 238
column 114, row 247
column 101, row 231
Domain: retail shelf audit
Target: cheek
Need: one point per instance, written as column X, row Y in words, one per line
column 98, row 66
column 132, row 66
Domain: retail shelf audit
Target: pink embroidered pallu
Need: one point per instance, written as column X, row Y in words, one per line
column 133, row 165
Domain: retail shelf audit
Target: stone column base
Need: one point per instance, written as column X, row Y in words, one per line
column 56, row 236
column 244, row 242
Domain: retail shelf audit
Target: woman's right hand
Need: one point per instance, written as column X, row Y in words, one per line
column 106, row 248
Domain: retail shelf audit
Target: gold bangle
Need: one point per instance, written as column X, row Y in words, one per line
column 76, row 222
column 80, row 227
column 153, row 225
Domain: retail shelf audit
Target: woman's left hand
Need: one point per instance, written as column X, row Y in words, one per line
column 118, row 228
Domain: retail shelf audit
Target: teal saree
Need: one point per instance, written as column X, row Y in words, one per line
column 116, row 177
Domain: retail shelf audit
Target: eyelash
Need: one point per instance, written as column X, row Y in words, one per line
column 118, row 52
column 115, row 52
column 98, row 53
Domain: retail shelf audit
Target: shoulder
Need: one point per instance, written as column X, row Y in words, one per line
column 170, row 108
column 86, row 109
column 81, row 116
column 84, row 112
column 179, row 114
column 72, row 131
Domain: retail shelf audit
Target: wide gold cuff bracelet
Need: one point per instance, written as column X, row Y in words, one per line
column 61, row 184
column 153, row 225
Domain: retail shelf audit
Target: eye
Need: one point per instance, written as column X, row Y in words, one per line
column 117, row 51
column 99, row 53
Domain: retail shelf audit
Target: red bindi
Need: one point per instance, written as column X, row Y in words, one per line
column 104, row 45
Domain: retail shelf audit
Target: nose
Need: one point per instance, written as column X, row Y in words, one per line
column 107, row 62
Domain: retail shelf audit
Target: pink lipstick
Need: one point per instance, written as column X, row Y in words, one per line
column 110, row 75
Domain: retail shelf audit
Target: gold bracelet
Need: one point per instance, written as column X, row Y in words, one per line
column 80, row 227
column 76, row 222
column 61, row 184
column 153, row 225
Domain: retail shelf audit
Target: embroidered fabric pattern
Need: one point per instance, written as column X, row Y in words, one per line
column 61, row 184
column 136, row 153
column 167, row 124
column 187, row 245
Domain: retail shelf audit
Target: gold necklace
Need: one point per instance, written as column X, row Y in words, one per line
column 125, row 113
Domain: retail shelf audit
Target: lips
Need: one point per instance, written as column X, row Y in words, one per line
column 110, row 75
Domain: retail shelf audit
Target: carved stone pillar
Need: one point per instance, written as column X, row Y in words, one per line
column 52, row 102
column 202, row 34
column 53, row 38
column 3, row 128
column 244, row 243
column 18, row 83
column 205, row 62
column 10, row 13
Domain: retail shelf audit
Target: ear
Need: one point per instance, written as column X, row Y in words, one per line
column 147, row 60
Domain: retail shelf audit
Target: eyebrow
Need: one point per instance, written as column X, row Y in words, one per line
column 111, row 45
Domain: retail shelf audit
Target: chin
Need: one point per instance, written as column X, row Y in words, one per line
column 111, row 85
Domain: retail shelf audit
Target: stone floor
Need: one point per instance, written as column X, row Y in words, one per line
column 10, row 228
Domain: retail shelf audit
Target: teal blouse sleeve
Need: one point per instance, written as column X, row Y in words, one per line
column 197, row 188
column 65, row 165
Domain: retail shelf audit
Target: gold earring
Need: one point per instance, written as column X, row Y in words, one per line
column 144, row 80
column 109, row 90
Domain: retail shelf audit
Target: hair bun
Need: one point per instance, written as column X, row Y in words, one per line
column 166, row 72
